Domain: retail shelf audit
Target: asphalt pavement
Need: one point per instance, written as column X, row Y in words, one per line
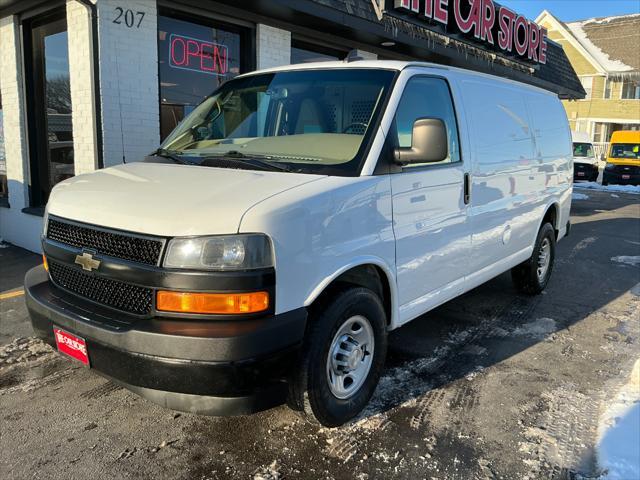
column 491, row 385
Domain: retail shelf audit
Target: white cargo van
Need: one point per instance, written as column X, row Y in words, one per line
column 290, row 222
column 585, row 163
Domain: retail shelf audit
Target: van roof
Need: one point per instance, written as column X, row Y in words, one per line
column 394, row 65
column 626, row 136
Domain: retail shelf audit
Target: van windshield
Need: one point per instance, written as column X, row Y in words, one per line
column 582, row 150
column 311, row 121
column 625, row 150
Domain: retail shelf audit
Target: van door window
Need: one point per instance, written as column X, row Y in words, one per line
column 427, row 97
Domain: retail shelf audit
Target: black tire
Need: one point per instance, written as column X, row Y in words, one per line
column 525, row 276
column 604, row 182
column 309, row 390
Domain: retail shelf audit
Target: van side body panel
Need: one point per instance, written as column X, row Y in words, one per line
column 521, row 164
column 515, row 143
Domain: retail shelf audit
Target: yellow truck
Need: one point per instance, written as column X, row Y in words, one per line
column 623, row 162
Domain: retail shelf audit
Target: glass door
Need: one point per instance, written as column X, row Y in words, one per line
column 49, row 104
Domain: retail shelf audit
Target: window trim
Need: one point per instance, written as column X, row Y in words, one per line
column 392, row 135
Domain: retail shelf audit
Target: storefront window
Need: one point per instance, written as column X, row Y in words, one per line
column 303, row 52
column 195, row 59
column 49, row 103
column 3, row 159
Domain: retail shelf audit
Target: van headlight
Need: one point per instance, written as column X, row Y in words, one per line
column 609, row 166
column 224, row 252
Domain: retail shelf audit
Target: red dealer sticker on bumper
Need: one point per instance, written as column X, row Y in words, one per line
column 71, row 345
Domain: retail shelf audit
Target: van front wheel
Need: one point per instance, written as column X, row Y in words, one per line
column 342, row 357
column 532, row 276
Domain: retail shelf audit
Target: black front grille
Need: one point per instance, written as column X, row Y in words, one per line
column 112, row 293
column 118, row 245
column 627, row 169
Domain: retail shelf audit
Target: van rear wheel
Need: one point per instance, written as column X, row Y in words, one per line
column 342, row 357
column 532, row 276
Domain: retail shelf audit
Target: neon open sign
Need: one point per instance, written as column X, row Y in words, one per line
column 196, row 55
column 485, row 21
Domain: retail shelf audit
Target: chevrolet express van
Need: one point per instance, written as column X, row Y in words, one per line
column 623, row 162
column 291, row 221
column 585, row 163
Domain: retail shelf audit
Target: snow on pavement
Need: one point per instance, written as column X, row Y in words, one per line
column 627, row 260
column 607, row 188
column 579, row 196
column 619, row 432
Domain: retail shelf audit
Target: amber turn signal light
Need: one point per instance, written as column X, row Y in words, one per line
column 44, row 263
column 212, row 303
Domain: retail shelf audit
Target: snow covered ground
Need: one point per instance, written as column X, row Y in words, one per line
column 619, row 432
column 609, row 188
column 579, row 196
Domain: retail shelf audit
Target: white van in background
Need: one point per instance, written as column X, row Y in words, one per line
column 585, row 163
column 291, row 221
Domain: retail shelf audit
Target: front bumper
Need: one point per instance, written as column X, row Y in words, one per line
column 622, row 175
column 585, row 171
column 217, row 367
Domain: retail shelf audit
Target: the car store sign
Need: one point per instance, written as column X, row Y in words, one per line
column 485, row 21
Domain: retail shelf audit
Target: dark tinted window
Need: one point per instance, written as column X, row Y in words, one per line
column 49, row 102
column 303, row 52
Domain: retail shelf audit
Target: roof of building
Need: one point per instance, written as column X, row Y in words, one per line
column 614, row 42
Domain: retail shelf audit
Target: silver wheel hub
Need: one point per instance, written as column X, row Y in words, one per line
column 544, row 259
column 350, row 357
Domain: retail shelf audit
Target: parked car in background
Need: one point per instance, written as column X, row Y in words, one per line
column 585, row 163
column 623, row 162
column 291, row 221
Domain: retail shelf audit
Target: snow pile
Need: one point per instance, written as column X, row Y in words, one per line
column 579, row 196
column 619, row 432
column 601, row 57
column 608, row 188
column 627, row 260
column 603, row 20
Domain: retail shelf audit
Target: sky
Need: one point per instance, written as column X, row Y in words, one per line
column 570, row 10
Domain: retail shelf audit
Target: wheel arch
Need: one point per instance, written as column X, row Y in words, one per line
column 552, row 216
column 369, row 272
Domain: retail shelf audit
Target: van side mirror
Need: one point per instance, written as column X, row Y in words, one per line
column 429, row 143
column 602, row 157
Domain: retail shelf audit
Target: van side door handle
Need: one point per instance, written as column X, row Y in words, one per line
column 467, row 189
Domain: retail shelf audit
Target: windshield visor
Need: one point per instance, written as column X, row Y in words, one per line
column 314, row 121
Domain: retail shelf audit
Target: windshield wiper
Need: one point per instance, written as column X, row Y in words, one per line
column 240, row 158
column 161, row 152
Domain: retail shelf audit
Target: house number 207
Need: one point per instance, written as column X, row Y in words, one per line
column 128, row 17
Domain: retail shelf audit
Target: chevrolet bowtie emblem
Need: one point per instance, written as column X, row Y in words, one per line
column 87, row 262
